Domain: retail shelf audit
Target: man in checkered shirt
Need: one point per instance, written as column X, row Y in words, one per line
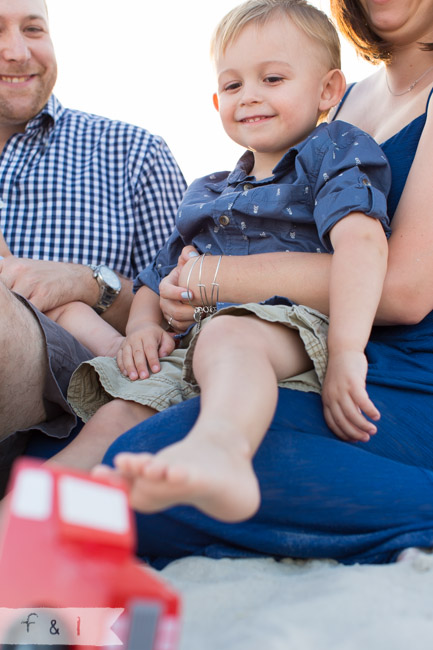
column 75, row 190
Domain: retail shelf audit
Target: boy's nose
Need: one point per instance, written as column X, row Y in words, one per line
column 250, row 95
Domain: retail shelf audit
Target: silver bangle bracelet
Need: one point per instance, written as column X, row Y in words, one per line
column 207, row 307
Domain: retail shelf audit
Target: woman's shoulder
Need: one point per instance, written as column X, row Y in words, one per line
column 358, row 95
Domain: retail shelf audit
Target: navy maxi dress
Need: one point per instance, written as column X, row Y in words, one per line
column 322, row 497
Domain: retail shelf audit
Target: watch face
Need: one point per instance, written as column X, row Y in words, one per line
column 110, row 278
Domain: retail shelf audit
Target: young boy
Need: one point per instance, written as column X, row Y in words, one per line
column 297, row 188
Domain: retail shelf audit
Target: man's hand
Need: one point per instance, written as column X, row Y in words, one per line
column 141, row 350
column 345, row 398
column 48, row 284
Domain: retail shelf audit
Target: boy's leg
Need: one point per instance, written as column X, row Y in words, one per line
column 86, row 326
column 237, row 363
column 109, row 422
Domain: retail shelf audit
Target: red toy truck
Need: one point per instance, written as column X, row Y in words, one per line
column 68, row 575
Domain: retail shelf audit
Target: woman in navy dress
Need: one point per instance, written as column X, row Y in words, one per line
column 322, row 497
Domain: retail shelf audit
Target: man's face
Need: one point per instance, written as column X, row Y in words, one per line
column 28, row 68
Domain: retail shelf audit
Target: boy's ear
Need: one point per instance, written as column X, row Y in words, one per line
column 333, row 87
column 216, row 102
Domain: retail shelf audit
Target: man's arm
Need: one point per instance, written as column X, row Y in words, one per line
column 4, row 248
column 50, row 284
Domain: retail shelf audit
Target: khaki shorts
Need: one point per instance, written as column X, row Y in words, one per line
column 99, row 380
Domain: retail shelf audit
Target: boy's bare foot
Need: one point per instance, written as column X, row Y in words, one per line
column 199, row 471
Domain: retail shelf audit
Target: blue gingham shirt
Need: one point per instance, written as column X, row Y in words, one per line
column 336, row 170
column 82, row 188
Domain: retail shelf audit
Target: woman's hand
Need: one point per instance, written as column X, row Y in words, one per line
column 174, row 300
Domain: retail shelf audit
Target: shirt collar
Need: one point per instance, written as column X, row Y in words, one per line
column 48, row 116
column 241, row 172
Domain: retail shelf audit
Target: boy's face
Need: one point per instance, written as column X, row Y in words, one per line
column 269, row 88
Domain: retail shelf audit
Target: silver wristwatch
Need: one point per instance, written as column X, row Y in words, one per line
column 109, row 286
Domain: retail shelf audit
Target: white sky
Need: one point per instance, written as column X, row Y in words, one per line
column 147, row 62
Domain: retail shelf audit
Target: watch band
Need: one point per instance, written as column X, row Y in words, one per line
column 107, row 293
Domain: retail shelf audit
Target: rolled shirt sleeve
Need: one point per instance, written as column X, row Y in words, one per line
column 353, row 176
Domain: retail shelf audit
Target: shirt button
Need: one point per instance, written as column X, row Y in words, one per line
column 224, row 220
column 366, row 181
column 2, row 204
column 248, row 186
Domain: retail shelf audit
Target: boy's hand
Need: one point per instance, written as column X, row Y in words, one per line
column 141, row 350
column 345, row 399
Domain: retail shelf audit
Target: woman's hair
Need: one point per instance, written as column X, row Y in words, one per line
column 353, row 24
column 312, row 21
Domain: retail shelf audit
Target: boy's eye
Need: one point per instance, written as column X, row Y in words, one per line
column 233, row 86
column 273, row 79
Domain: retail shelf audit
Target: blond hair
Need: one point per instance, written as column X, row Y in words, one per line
column 313, row 22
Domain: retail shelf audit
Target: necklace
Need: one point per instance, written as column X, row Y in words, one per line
column 411, row 87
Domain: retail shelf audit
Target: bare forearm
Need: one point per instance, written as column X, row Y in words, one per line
column 144, row 308
column 302, row 277
column 117, row 314
column 356, row 280
column 4, row 249
column 81, row 285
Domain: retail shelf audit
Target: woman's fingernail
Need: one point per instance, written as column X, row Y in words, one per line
column 193, row 254
column 186, row 295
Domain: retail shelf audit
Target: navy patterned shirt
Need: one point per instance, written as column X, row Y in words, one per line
column 336, row 170
column 82, row 188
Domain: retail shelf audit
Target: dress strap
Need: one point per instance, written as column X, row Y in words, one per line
column 428, row 99
column 342, row 100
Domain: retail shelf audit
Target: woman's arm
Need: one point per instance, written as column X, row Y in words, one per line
column 247, row 279
column 258, row 277
column 407, row 294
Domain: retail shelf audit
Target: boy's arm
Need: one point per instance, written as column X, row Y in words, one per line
column 357, row 273
column 146, row 339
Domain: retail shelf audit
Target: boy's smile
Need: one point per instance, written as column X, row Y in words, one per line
column 270, row 82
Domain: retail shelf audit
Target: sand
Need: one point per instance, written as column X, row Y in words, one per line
column 261, row 604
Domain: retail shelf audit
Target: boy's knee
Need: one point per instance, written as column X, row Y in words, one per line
column 225, row 330
column 222, row 326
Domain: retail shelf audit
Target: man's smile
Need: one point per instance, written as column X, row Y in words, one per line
column 15, row 79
